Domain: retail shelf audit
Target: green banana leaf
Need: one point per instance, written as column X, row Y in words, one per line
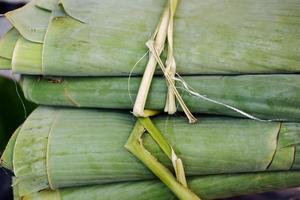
column 30, row 21
column 27, row 58
column 7, row 157
column 7, row 45
column 47, row 4
column 60, row 147
column 207, row 187
column 105, row 38
column 264, row 96
column 5, row 63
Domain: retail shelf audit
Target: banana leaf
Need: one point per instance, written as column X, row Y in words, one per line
column 60, row 147
column 47, row 4
column 27, row 58
column 5, row 63
column 7, row 156
column 207, row 187
column 7, row 45
column 105, row 38
column 265, row 96
column 30, row 21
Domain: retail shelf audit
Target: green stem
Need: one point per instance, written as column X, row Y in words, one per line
column 156, row 135
column 135, row 146
column 166, row 148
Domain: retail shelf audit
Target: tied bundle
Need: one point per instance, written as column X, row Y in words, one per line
column 238, row 59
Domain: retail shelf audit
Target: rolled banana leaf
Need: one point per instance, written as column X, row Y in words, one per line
column 105, row 38
column 7, row 156
column 47, row 4
column 27, row 58
column 5, row 63
column 7, row 45
column 31, row 21
column 206, row 187
column 60, row 147
column 274, row 97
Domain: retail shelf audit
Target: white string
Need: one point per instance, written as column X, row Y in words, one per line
column 19, row 96
column 191, row 91
column 130, row 74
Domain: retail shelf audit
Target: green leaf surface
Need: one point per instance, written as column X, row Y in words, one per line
column 264, row 96
column 51, row 151
column 27, row 57
column 207, row 187
column 105, row 38
column 223, row 37
column 7, row 43
column 30, row 21
column 5, row 63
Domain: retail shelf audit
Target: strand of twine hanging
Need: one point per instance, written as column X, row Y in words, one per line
column 130, row 75
column 193, row 92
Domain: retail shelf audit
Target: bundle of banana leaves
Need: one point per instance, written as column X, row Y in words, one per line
column 59, row 39
column 105, row 38
column 49, row 152
column 235, row 58
column 274, row 97
column 208, row 187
